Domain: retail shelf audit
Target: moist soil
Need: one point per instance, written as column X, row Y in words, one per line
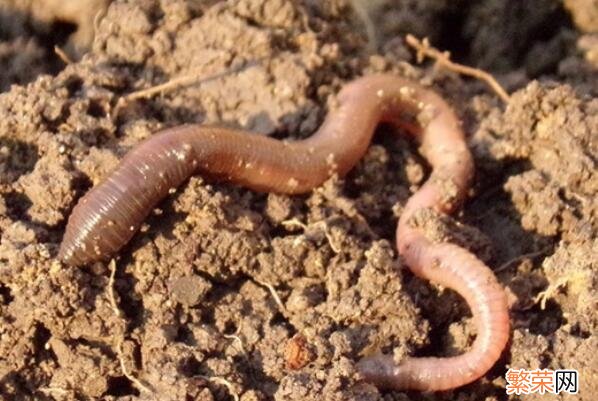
column 230, row 294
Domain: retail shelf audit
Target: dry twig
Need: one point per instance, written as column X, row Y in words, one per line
column 180, row 81
column 443, row 58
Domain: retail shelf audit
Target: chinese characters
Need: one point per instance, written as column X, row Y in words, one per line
column 542, row 381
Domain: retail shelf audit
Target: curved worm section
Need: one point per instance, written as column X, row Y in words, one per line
column 107, row 217
column 443, row 145
column 455, row 268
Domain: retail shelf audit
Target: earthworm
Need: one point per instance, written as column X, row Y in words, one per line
column 106, row 218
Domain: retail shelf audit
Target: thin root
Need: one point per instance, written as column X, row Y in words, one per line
column 96, row 22
column 551, row 290
column 119, row 349
column 129, row 375
column 111, row 294
column 224, row 382
column 336, row 248
column 62, row 55
column 272, row 290
column 55, row 391
column 237, row 339
column 346, row 205
column 443, row 58
column 521, row 258
column 361, row 10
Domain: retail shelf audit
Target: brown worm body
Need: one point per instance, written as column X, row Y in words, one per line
column 108, row 216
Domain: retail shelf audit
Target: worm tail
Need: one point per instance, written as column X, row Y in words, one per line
column 452, row 267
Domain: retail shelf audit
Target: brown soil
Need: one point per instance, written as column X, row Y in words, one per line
column 227, row 292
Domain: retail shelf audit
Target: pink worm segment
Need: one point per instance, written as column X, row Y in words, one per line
column 107, row 217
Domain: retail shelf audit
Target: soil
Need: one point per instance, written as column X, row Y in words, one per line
column 230, row 294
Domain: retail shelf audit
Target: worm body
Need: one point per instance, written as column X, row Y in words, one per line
column 108, row 216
